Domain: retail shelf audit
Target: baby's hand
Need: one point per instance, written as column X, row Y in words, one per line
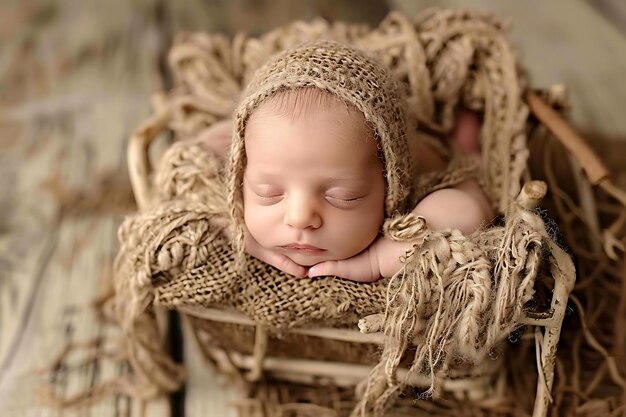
column 380, row 259
column 277, row 260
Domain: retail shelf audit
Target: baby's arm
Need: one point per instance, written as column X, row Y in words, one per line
column 464, row 207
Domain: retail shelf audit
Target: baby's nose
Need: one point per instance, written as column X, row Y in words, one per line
column 301, row 213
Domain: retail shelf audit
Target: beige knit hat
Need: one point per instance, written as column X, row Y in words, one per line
column 353, row 78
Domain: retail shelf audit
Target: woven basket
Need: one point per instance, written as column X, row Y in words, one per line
column 343, row 356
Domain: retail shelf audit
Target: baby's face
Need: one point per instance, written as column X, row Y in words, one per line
column 313, row 186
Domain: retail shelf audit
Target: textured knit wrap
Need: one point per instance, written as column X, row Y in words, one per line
column 354, row 78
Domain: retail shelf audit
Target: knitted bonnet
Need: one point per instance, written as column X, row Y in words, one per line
column 353, row 78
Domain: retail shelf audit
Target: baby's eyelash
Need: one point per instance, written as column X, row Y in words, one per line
column 343, row 201
column 269, row 197
column 265, row 191
column 269, row 200
column 345, row 198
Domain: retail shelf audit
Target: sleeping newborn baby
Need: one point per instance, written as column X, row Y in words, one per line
column 320, row 157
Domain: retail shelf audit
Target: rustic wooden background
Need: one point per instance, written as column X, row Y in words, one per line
column 75, row 80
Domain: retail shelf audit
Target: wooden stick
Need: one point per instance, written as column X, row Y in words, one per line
column 348, row 375
column 139, row 166
column 345, row 335
column 564, row 273
column 260, row 349
column 531, row 194
column 615, row 192
column 592, row 164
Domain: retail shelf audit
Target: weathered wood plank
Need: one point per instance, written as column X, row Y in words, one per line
column 258, row 17
column 613, row 11
column 206, row 394
column 76, row 79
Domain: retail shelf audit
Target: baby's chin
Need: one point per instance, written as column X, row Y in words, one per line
column 308, row 260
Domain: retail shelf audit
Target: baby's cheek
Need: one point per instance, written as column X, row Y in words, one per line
column 360, row 231
column 251, row 218
column 262, row 223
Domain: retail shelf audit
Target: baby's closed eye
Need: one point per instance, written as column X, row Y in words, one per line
column 343, row 199
column 267, row 193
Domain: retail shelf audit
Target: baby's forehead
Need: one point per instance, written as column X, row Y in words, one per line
column 301, row 103
column 298, row 102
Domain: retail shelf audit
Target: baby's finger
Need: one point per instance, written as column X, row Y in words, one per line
column 276, row 260
column 287, row 265
column 351, row 269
